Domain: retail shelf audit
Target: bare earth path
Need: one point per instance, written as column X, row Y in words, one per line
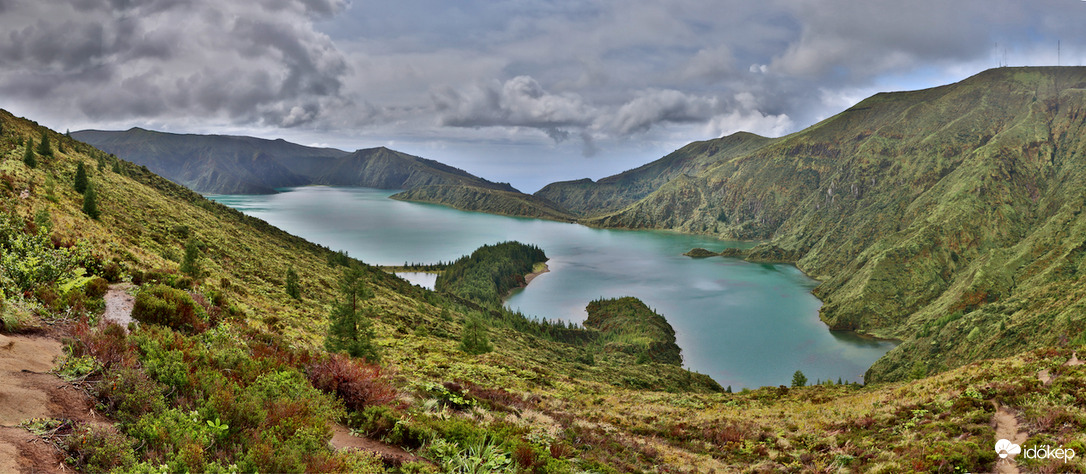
column 393, row 455
column 119, row 304
column 28, row 390
column 1006, row 425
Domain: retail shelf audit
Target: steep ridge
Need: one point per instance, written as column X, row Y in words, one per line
column 585, row 197
column 912, row 207
column 493, row 201
column 222, row 164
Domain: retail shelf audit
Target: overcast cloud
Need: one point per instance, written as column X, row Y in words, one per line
column 527, row 91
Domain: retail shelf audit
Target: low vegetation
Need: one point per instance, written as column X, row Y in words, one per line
column 227, row 372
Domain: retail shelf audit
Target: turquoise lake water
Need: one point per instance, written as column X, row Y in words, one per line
column 744, row 324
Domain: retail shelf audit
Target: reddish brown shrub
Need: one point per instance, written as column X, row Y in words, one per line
column 498, row 398
column 357, row 383
column 526, row 457
column 108, row 344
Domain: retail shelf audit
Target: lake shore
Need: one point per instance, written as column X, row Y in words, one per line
column 539, row 271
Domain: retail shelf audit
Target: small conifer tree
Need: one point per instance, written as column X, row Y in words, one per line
column 44, row 149
column 474, row 340
column 350, row 329
column 28, row 157
column 292, row 284
column 798, row 379
column 190, row 265
column 90, row 202
column 80, row 177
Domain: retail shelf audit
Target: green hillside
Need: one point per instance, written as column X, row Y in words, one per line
column 948, row 218
column 223, row 164
column 493, row 201
column 227, row 373
column 585, row 197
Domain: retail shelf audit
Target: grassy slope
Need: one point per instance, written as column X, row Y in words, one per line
column 912, row 206
column 585, row 197
column 493, row 201
column 584, row 411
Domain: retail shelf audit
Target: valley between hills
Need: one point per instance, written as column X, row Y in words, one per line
column 948, row 218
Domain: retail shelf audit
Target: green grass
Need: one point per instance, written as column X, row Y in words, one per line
column 546, row 405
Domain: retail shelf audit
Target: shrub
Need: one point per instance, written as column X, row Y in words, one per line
column 108, row 344
column 165, row 306
column 112, row 272
column 99, row 449
column 96, row 288
column 129, row 393
column 357, row 383
column 374, row 421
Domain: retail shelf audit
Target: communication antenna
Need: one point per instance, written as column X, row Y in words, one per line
column 1057, row 53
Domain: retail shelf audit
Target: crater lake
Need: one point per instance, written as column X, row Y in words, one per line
column 744, row 324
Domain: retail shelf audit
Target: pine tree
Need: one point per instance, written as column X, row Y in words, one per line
column 90, row 202
column 798, row 379
column 43, row 148
column 474, row 340
column 292, row 284
column 28, row 157
column 80, row 177
column 117, row 166
column 190, row 265
column 349, row 328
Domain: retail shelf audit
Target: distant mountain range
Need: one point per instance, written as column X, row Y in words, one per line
column 223, row 164
column 949, row 218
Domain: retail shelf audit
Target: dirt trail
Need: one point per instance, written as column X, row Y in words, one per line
column 1006, row 425
column 119, row 304
column 391, row 455
column 28, row 390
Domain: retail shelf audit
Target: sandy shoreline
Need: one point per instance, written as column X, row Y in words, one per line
column 531, row 276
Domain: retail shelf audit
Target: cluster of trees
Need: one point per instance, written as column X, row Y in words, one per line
column 425, row 267
column 627, row 325
column 490, row 272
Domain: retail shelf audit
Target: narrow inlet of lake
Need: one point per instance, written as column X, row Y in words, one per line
column 744, row 324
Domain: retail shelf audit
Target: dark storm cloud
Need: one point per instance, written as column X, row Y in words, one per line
column 578, row 75
column 241, row 62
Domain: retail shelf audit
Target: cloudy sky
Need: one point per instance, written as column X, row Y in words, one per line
column 526, row 91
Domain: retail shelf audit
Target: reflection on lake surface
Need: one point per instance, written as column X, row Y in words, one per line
column 744, row 324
